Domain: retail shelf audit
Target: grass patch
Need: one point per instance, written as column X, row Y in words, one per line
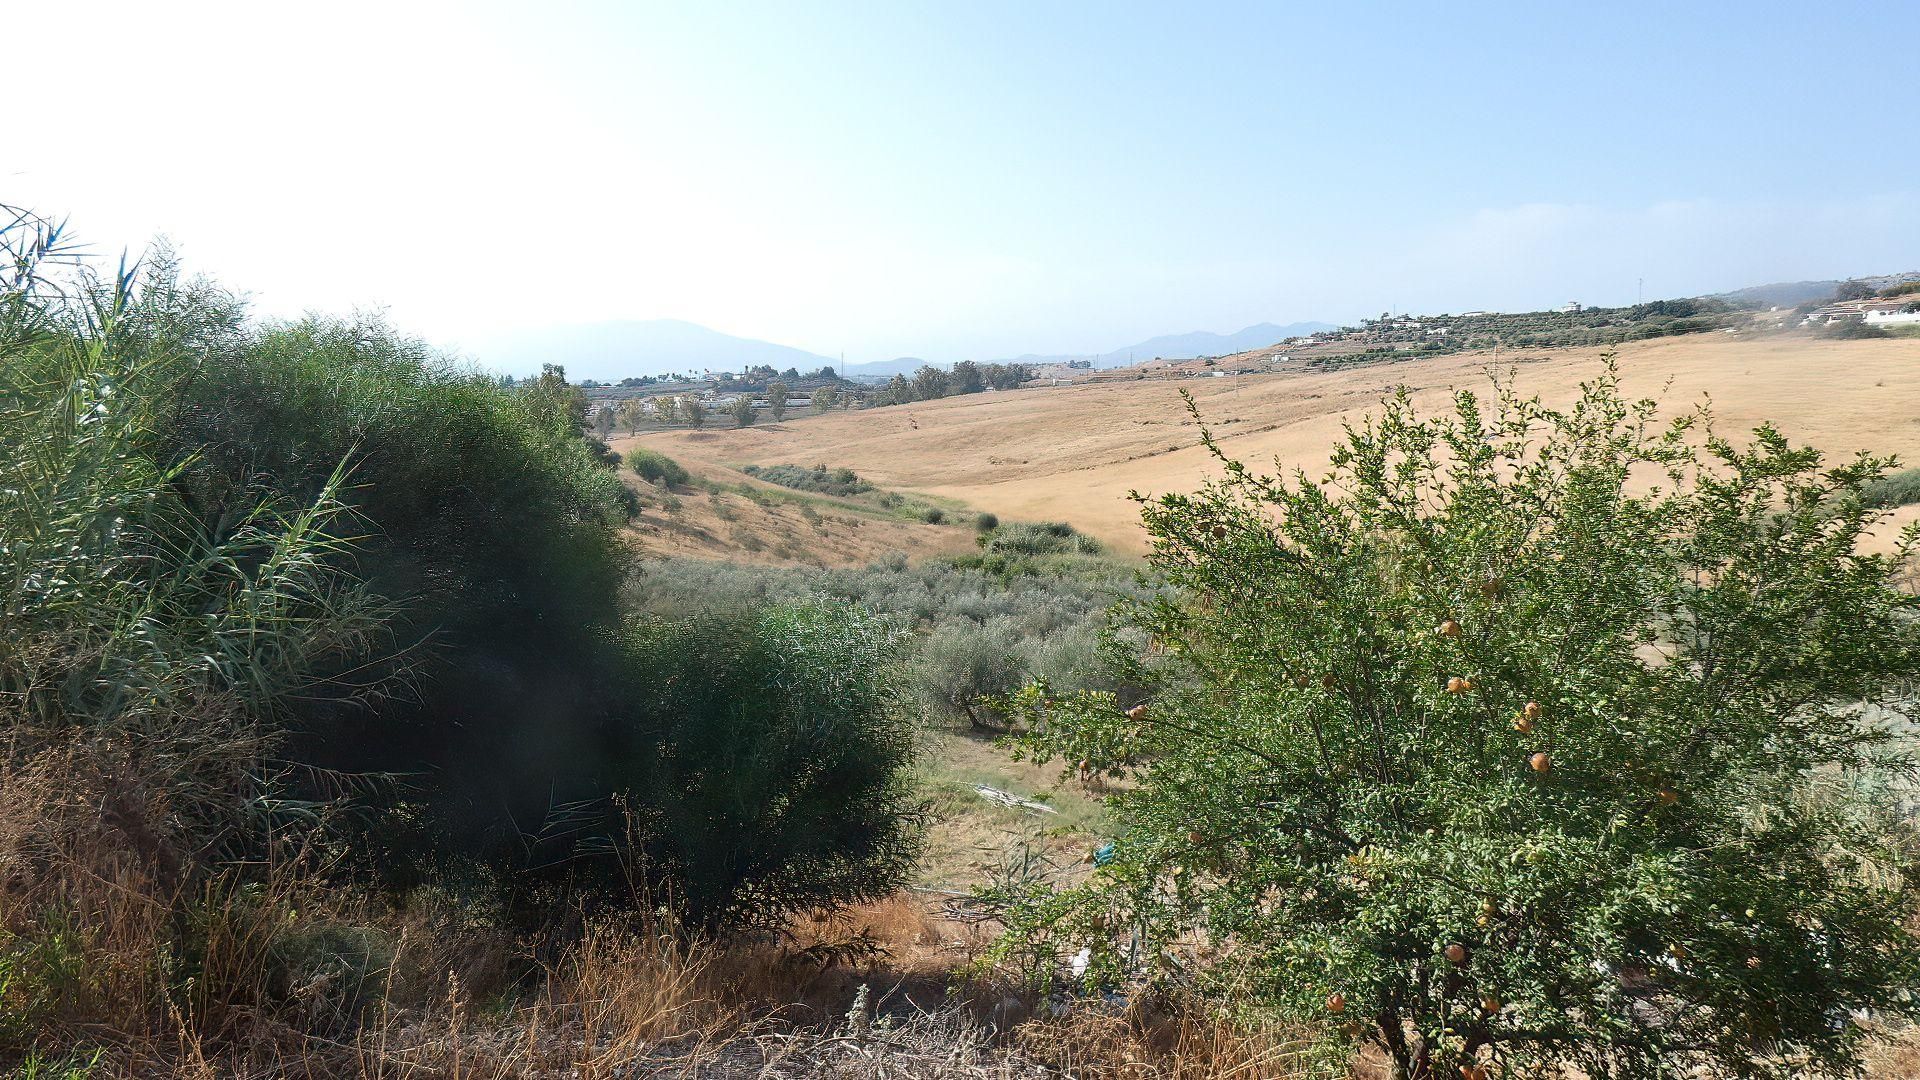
column 1894, row 489
column 656, row 467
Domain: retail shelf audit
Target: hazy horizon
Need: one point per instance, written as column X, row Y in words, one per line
column 967, row 183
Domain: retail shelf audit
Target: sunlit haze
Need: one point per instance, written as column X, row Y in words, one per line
column 968, row 181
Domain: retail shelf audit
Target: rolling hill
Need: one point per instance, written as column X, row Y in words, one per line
column 610, row 351
column 1074, row 452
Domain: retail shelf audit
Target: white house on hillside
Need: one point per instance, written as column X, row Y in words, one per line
column 1878, row 312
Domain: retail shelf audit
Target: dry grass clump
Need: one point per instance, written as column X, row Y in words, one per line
column 1139, row 1043
column 1895, row 1053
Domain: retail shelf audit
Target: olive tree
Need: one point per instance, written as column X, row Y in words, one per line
column 1527, row 738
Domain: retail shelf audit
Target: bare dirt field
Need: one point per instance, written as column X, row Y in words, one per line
column 1073, row 452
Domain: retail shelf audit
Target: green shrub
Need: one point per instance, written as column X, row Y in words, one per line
column 933, row 515
column 656, row 467
column 487, row 510
column 151, row 651
column 841, row 482
column 1485, row 755
column 1041, row 538
column 985, row 523
column 1894, row 489
column 127, row 610
column 765, row 759
column 963, row 663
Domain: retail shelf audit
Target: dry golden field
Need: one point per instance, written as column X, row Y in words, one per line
column 1073, row 452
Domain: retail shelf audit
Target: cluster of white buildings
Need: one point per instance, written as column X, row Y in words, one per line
column 1875, row 312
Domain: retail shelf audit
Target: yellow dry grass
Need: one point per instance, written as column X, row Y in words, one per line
column 1073, row 452
column 775, row 527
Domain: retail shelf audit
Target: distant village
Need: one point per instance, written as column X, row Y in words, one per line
column 763, row 393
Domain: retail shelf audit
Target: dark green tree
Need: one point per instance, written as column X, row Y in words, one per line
column 899, row 391
column 930, row 383
column 967, row 378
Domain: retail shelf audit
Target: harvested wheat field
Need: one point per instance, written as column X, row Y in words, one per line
column 1072, row 453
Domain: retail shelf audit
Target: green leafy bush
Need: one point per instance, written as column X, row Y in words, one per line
column 765, row 758
column 1041, row 538
column 1894, row 489
column 825, row 481
column 491, row 517
column 656, row 467
column 985, row 523
column 1482, row 753
column 962, row 664
column 933, row 515
column 125, row 611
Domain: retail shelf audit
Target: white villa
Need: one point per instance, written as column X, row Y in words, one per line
column 1876, row 312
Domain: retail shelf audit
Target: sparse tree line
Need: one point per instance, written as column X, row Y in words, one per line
column 928, row 383
column 966, row 377
column 693, row 409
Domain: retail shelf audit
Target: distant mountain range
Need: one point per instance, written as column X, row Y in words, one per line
column 886, row 369
column 1794, row 293
column 611, row 351
column 1164, row 347
column 1188, row 346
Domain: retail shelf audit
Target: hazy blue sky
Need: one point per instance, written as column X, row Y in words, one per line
column 970, row 179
